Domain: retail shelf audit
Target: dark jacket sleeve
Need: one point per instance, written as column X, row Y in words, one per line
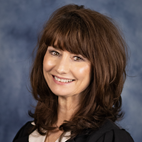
column 23, row 133
column 109, row 132
column 114, row 135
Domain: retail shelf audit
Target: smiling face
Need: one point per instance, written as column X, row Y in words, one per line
column 66, row 74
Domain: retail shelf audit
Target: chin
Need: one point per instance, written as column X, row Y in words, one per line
column 61, row 95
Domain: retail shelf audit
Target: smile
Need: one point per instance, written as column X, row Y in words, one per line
column 63, row 80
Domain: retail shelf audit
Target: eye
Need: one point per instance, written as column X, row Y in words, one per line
column 77, row 58
column 54, row 53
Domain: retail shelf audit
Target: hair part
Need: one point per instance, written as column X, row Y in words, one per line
column 97, row 38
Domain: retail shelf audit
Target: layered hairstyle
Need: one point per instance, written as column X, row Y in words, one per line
column 97, row 38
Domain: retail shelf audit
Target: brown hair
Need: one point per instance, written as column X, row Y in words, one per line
column 96, row 37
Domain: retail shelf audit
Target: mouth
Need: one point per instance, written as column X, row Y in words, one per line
column 62, row 80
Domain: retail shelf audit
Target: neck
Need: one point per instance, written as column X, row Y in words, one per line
column 66, row 108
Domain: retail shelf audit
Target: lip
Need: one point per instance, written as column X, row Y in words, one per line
column 63, row 77
column 61, row 83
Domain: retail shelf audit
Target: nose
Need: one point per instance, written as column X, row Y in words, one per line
column 63, row 65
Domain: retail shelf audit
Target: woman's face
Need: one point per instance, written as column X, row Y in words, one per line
column 66, row 74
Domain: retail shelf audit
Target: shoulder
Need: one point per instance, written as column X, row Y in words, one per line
column 110, row 132
column 23, row 133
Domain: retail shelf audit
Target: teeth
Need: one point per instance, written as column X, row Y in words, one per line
column 62, row 80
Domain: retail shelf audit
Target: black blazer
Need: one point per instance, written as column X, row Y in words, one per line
column 109, row 132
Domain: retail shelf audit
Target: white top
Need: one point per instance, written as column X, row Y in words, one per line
column 36, row 137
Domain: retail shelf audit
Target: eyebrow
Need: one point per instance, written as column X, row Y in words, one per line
column 56, row 47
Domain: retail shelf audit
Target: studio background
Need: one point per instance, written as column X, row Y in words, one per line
column 20, row 23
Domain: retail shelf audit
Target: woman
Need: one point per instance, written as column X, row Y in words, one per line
column 77, row 78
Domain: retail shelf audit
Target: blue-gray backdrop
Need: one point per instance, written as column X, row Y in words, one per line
column 20, row 23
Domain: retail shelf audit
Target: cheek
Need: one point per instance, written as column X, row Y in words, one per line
column 48, row 64
column 82, row 72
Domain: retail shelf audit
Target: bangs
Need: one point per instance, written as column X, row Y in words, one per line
column 69, row 34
